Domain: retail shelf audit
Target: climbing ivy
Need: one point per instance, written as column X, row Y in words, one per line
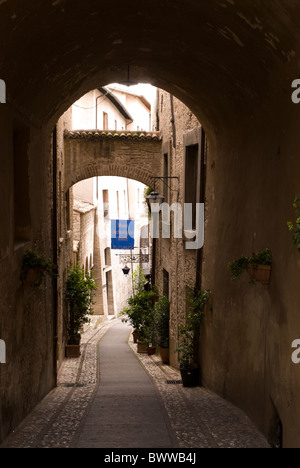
column 295, row 229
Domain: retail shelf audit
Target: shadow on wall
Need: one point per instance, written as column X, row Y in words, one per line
column 276, row 429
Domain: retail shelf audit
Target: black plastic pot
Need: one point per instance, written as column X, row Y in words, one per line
column 190, row 377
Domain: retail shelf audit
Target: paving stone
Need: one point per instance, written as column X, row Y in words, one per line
column 197, row 418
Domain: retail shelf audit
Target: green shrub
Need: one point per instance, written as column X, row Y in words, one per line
column 295, row 229
column 162, row 322
column 189, row 332
column 79, row 294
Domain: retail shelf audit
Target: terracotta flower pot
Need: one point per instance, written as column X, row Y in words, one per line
column 142, row 348
column 260, row 273
column 165, row 355
column 135, row 337
column 155, row 299
column 73, row 351
column 33, row 277
column 151, row 350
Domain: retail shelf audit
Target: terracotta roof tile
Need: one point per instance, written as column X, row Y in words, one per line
column 123, row 135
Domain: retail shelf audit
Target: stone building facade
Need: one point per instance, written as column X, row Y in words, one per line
column 99, row 200
column 176, row 266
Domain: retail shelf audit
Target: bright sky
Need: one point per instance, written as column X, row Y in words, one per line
column 146, row 90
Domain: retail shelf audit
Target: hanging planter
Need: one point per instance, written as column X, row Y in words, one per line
column 34, row 269
column 33, row 278
column 260, row 274
column 258, row 266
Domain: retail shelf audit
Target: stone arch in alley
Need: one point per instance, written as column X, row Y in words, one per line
column 232, row 63
column 133, row 155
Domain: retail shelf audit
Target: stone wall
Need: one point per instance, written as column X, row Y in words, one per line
column 129, row 155
column 84, row 232
column 26, row 313
column 172, row 254
column 245, row 342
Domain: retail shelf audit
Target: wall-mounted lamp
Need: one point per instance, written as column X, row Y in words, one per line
column 154, row 197
column 126, row 270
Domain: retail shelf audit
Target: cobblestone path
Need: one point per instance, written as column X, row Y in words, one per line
column 196, row 417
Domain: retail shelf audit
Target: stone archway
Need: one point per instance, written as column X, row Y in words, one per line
column 233, row 66
column 131, row 155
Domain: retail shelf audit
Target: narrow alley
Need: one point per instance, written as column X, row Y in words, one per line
column 113, row 397
column 149, row 172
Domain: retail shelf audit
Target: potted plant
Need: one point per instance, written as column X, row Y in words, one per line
column 162, row 323
column 188, row 367
column 148, row 341
column 258, row 266
column 34, row 269
column 79, row 294
column 140, row 314
column 188, row 338
column 133, row 314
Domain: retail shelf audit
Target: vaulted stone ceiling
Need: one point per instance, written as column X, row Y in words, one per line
column 223, row 58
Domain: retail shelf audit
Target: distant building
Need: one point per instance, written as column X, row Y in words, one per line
column 99, row 200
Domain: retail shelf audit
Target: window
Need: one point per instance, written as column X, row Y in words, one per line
column 124, row 203
column 191, row 178
column 68, row 211
column 97, row 188
column 166, row 181
column 107, row 256
column 166, row 283
column 118, row 204
column 110, row 293
column 22, row 220
column 105, row 121
column 138, row 201
column 75, row 258
column 105, row 203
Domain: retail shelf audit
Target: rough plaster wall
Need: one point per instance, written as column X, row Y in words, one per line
column 25, row 313
column 247, row 338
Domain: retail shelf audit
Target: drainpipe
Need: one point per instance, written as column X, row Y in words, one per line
column 173, row 120
column 198, row 283
column 55, row 254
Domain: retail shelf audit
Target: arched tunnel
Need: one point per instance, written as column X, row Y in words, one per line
column 232, row 63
